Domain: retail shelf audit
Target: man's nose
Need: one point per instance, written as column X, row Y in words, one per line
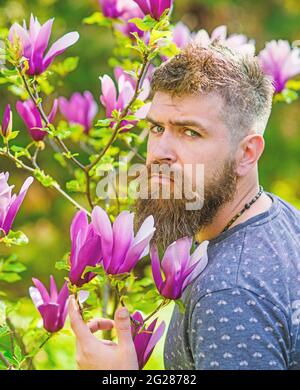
column 164, row 150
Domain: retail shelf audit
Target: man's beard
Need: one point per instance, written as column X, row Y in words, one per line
column 174, row 221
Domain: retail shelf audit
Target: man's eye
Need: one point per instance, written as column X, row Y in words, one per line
column 157, row 129
column 192, row 133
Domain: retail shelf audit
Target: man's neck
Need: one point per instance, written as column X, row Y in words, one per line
column 226, row 213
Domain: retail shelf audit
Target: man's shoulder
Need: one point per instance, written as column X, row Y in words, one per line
column 262, row 256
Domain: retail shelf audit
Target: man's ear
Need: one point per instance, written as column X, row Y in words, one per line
column 248, row 153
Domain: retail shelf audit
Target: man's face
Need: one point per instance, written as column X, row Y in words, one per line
column 188, row 131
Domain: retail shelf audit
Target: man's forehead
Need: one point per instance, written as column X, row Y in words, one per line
column 171, row 109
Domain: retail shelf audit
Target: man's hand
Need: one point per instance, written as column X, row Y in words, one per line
column 94, row 354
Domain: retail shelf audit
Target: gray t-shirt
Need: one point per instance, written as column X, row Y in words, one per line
column 243, row 310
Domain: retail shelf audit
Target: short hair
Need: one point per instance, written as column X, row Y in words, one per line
column 246, row 91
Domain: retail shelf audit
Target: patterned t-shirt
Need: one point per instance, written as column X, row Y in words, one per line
column 243, row 310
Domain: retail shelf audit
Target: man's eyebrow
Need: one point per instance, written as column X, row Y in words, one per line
column 188, row 122
column 152, row 120
column 180, row 122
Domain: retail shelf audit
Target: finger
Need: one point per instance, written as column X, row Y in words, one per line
column 123, row 327
column 78, row 326
column 100, row 324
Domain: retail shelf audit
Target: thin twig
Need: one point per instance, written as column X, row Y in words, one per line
column 5, row 361
column 56, row 186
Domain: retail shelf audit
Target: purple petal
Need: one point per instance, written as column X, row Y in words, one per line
column 60, row 46
column 199, row 261
column 42, row 290
column 14, row 207
column 123, row 236
column 89, row 255
column 7, row 120
column 17, row 31
column 79, row 222
column 50, row 315
column 40, row 45
column 156, row 271
column 144, row 6
column 52, row 114
column 53, row 289
column 109, row 94
column 102, row 226
column 30, row 115
column 155, row 337
column 139, row 245
column 35, row 296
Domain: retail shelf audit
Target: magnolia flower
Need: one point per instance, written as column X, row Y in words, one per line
column 236, row 42
column 53, row 306
column 34, row 43
column 80, row 109
column 128, row 28
column 121, row 250
column 280, row 61
column 145, row 340
column 32, row 118
column 155, row 8
column 116, row 8
column 179, row 268
column 118, row 100
column 181, row 35
column 85, row 250
column 10, row 204
column 6, row 127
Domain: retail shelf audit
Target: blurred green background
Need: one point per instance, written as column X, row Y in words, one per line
column 45, row 217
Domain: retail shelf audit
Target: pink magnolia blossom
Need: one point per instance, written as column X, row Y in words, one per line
column 34, row 42
column 6, row 127
column 236, row 42
column 53, row 306
column 116, row 8
column 179, row 267
column 32, row 118
column 10, row 204
column 80, row 109
column 280, row 61
column 118, row 98
column 154, row 8
column 145, row 339
column 85, row 251
column 120, row 248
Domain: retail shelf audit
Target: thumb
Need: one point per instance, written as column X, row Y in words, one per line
column 123, row 327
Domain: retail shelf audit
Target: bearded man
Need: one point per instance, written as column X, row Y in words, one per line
column 210, row 109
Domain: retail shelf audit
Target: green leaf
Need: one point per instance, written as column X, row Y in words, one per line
column 46, row 180
column 2, row 313
column 20, row 152
column 4, row 330
column 9, row 277
column 18, row 353
column 99, row 19
column 180, row 305
column 157, row 35
column 65, row 67
column 12, row 135
column 293, row 84
column 64, row 263
column 15, row 238
column 287, row 96
column 75, row 186
column 15, row 266
column 146, row 24
column 103, row 122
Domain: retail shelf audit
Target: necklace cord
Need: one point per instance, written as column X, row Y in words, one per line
column 246, row 207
